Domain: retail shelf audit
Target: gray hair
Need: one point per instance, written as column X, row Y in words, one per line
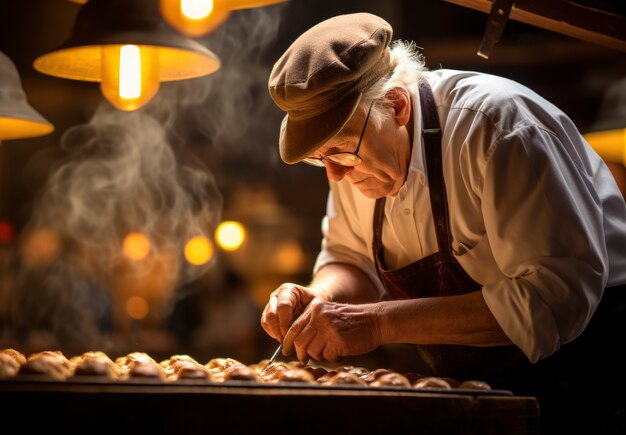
column 408, row 70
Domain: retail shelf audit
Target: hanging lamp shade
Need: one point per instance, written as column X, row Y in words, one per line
column 104, row 29
column 607, row 135
column 17, row 118
column 121, row 22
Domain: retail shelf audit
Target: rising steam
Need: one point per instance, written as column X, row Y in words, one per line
column 132, row 172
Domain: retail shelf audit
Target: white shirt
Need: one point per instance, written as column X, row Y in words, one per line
column 535, row 215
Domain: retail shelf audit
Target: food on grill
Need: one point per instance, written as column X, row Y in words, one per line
column 391, row 379
column 374, row 374
column 240, row 373
column 140, row 365
column 342, row 378
column 49, row 363
column 432, row 382
column 183, row 367
column 218, row 370
column 8, row 366
column 295, row 374
column 95, row 364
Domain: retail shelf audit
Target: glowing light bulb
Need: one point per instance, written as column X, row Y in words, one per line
column 196, row 9
column 198, row 250
column 136, row 246
column 230, row 235
column 194, row 18
column 130, row 75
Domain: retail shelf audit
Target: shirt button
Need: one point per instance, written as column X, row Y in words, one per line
column 407, row 211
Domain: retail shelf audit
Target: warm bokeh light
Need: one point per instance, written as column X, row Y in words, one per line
column 289, row 257
column 609, row 144
column 198, row 250
column 130, row 75
column 40, row 247
column 137, row 307
column 136, row 246
column 230, row 235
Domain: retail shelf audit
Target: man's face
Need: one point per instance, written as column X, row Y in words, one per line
column 385, row 153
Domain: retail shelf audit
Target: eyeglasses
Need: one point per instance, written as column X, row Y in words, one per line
column 345, row 158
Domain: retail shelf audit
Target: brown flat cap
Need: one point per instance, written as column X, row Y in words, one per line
column 319, row 80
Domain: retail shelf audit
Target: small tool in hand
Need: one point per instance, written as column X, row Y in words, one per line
column 276, row 352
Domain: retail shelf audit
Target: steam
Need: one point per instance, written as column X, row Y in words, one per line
column 133, row 172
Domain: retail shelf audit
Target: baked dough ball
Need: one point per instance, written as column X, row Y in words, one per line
column 49, row 363
column 95, row 363
column 295, row 375
column 140, row 365
column 9, row 367
column 343, row 378
column 375, row 374
column 359, row 371
column 391, row 379
column 474, row 385
column 183, row 367
column 272, row 372
column 240, row 372
column 18, row 356
column 432, row 382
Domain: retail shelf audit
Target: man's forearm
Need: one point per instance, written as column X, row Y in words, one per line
column 340, row 282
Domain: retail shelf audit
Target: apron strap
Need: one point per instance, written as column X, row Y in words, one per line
column 436, row 184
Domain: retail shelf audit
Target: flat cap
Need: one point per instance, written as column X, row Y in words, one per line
column 320, row 78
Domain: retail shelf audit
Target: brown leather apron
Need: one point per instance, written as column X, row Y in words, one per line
column 439, row 274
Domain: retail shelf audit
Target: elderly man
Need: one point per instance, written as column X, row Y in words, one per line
column 466, row 215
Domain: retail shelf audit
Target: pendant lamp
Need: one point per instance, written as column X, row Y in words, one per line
column 17, row 118
column 127, row 47
column 196, row 18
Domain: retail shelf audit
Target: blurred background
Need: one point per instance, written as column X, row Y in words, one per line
column 164, row 229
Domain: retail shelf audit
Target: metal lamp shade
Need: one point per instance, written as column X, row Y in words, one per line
column 17, row 118
column 121, row 22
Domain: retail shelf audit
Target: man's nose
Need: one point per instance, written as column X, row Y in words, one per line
column 336, row 172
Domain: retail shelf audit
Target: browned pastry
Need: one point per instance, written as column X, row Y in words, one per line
column 95, row 364
column 374, row 374
column 295, row 375
column 140, row 365
column 183, row 367
column 342, row 378
column 8, row 366
column 391, row 379
column 359, row 371
column 18, row 356
column 49, row 363
column 272, row 372
column 240, row 373
column 475, row 385
column 431, row 382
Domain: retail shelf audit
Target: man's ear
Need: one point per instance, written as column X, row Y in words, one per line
column 400, row 102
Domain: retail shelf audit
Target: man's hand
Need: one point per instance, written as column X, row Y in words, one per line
column 330, row 331
column 286, row 303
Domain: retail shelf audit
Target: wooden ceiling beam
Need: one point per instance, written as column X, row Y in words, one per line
column 588, row 23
